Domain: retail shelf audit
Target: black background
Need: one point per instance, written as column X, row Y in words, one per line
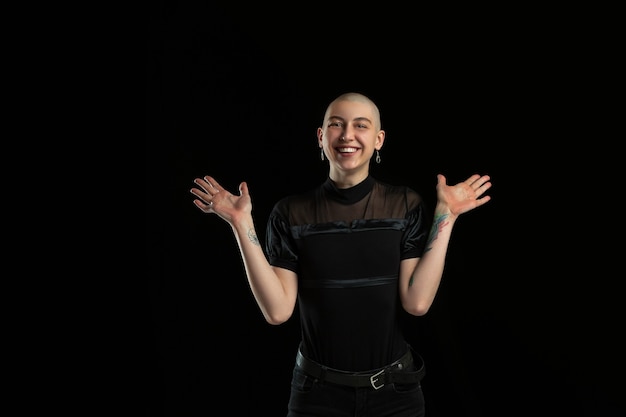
column 527, row 319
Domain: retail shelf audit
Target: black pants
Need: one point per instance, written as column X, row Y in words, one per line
column 314, row 398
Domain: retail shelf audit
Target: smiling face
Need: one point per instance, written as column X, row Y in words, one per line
column 350, row 134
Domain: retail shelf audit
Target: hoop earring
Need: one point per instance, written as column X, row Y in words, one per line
column 322, row 153
column 377, row 157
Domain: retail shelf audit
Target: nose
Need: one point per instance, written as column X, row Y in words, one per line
column 345, row 137
column 348, row 134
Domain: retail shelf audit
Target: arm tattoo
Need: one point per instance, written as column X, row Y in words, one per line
column 438, row 224
column 253, row 237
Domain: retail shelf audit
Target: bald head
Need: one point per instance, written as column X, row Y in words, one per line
column 358, row 98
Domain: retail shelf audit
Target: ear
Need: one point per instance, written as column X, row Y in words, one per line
column 320, row 137
column 380, row 139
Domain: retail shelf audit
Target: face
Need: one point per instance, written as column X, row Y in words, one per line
column 350, row 135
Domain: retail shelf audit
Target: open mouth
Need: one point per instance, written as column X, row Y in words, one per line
column 347, row 150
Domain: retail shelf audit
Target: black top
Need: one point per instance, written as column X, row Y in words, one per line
column 346, row 246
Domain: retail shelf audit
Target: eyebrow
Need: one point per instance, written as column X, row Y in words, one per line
column 357, row 119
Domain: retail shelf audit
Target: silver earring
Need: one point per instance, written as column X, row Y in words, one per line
column 322, row 153
column 377, row 157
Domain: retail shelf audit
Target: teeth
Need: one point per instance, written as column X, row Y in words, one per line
column 347, row 149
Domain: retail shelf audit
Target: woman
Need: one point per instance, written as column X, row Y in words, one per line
column 352, row 252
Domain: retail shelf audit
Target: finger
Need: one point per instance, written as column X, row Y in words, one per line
column 482, row 200
column 215, row 187
column 484, row 186
column 200, row 183
column 477, row 182
column 482, row 180
column 208, row 184
column 206, row 208
column 201, row 193
column 471, row 181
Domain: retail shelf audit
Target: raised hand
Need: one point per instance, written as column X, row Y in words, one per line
column 213, row 198
column 464, row 196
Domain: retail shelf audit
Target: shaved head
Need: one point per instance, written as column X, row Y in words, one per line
column 358, row 98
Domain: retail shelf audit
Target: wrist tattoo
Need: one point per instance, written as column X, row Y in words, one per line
column 253, row 237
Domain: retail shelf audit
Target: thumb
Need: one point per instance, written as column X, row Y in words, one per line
column 441, row 180
column 243, row 189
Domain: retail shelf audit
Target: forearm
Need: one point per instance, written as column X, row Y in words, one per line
column 268, row 290
column 425, row 278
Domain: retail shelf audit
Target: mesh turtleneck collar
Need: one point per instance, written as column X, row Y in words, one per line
column 349, row 195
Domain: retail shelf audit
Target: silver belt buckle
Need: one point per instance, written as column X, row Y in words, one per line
column 374, row 379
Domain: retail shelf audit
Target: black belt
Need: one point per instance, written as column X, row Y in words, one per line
column 393, row 373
